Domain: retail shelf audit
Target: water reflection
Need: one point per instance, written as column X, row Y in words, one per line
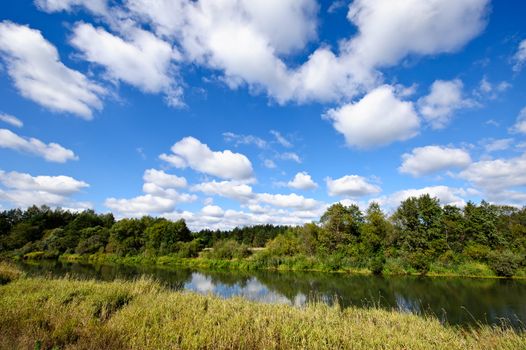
column 453, row 300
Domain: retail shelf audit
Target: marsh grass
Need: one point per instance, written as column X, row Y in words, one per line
column 72, row 314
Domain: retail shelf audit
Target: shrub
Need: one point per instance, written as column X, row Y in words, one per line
column 394, row 266
column 477, row 251
column 504, row 263
column 228, row 249
column 187, row 249
column 420, row 262
column 376, row 264
column 474, row 269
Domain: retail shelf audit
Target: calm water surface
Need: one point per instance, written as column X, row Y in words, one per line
column 458, row 301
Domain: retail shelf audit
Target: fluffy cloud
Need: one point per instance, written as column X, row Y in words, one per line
column 213, row 210
column 162, row 179
column 35, row 67
column 61, row 185
column 352, row 186
column 302, row 181
column 446, row 195
column 288, row 201
column 143, row 60
column 229, row 189
column 494, row 176
column 95, row 6
column 520, row 124
column 141, row 205
column 24, row 190
column 52, row 152
column 377, row 119
column 432, row 159
column 11, row 120
column 244, row 194
column 445, row 97
column 214, row 217
column 190, row 152
column 520, row 56
column 422, row 27
column 160, row 195
column 244, row 40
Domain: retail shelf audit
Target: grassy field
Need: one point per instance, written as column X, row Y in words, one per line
column 38, row 313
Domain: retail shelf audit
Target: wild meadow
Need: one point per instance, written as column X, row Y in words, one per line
column 44, row 313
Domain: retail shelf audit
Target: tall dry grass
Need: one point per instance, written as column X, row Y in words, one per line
column 70, row 314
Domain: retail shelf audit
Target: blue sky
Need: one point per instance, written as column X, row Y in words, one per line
column 239, row 112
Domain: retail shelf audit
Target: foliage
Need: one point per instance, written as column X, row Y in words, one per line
column 421, row 236
column 504, row 263
column 228, row 249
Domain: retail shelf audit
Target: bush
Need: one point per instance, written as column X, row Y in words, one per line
column 474, row 269
column 420, row 262
column 394, row 266
column 91, row 245
column 504, row 263
column 228, row 249
column 477, row 251
column 188, row 249
column 376, row 264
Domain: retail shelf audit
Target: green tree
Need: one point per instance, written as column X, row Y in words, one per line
column 376, row 229
column 127, row 236
column 163, row 235
column 342, row 225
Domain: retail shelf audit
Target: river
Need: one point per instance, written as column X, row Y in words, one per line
column 456, row 301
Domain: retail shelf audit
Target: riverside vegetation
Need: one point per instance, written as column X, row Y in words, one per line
column 420, row 237
column 43, row 313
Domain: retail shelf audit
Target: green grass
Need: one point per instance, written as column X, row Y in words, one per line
column 70, row 314
column 295, row 263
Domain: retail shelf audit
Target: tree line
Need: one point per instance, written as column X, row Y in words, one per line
column 419, row 236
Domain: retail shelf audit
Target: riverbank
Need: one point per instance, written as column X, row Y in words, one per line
column 66, row 313
column 468, row 270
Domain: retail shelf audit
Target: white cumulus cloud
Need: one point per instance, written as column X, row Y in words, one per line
column 432, row 159
column 52, row 152
column 23, row 190
column 143, row 60
column 190, row 152
column 352, row 186
column 379, row 118
column 445, row 97
column 302, row 181
column 35, row 67
column 446, row 195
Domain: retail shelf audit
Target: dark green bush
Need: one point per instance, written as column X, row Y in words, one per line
column 228, row 249
column 376, row 264
column 420, row 262
column 504, row 263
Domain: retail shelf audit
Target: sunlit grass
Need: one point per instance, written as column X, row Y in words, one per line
column 142, row 314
